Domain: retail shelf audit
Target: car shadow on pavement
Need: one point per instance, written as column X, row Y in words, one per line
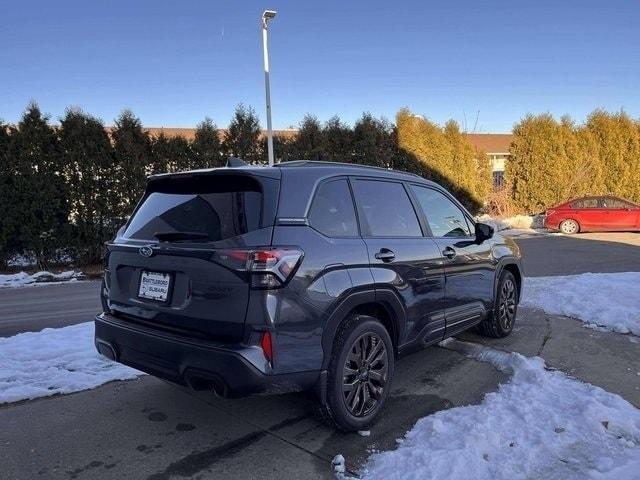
column 425, row 382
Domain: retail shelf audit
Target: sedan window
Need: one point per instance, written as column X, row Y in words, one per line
column 615, row 203
column 586, row 203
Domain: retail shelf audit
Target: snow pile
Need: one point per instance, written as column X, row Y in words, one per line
column 55, row 360
column 519, row 222
column 21, row 260
column 542, row 424
column 23, row 279
column 338, row 464
column 610, row 300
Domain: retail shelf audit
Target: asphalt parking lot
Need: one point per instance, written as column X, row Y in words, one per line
column 147, row 428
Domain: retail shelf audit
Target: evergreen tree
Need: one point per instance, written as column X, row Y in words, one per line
column 373, row 142
column 160, row 154
column 181, row 153
column 6, row 245
column 36, row 214
column 616, row 142
column 338, row 141
column 90, row 174
column 206, row 146
column 283, row 148
column 241, row 138
column 553, row 161
column 309, row 142
column 469, row 170
column 533, row 151
column 484, row 186
column 445, row 156
column 131, row 149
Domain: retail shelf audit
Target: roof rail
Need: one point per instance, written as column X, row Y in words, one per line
column 321, row 163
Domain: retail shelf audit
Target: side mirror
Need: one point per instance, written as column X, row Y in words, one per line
column 483, row 232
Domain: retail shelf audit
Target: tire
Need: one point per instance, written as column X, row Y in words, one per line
column 362, row 347
column 569, row 227
column 499, row 323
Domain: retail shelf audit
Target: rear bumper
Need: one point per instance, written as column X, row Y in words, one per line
column 551, row 223
column 234, row 370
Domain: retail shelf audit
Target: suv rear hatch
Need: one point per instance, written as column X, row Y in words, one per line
column 179, row 263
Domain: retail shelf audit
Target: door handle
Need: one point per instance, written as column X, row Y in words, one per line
column 385, row 255
column 449, row 252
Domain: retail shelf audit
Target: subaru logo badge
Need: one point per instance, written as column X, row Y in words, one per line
column 146, row 251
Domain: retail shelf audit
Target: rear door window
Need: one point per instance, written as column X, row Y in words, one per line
column 210, row 216
column 615, row 203
column 332, row 212
column 444, row 217
column 386, row 210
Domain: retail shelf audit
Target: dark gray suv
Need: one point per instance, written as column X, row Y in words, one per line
column 306, row 275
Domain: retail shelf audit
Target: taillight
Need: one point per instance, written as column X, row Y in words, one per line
column 267, row 346
column 268, row 267
column 550, row 212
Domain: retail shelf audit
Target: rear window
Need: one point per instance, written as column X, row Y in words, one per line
column 218, row 214
column 615, row 203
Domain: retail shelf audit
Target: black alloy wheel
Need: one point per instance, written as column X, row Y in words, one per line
column 507, row 305
column 364, row 375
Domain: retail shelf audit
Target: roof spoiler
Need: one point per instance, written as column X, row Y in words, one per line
column 233, row 162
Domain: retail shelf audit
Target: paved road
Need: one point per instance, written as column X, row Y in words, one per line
column 30, row 309
column 589, row 252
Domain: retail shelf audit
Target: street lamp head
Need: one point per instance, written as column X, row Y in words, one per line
column 268, row 15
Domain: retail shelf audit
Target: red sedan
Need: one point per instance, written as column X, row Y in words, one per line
column 591, row 214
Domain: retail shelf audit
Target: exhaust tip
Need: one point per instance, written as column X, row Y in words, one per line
column 107, row 350
column 202, row 381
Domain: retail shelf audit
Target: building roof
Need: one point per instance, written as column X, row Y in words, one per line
column 491, row 142
column 189, row 133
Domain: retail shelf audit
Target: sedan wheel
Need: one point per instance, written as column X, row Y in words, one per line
column 569, row 227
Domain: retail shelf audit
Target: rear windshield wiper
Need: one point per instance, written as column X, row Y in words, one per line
column 178, row 236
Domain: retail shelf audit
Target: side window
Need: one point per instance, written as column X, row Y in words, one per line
column 614, row 203
column 386, row 209
column 332, row 212
column 586, row 203
column 443, row 216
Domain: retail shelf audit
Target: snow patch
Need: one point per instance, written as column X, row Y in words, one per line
column 542, row 424
column 605, row 300
column 55, row 360
column 338, row 464
column 23, row 279
column 520, row 222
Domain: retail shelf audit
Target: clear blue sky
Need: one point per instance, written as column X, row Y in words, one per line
column 175, row 62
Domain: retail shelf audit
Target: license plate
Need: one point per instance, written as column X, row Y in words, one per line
column 154, row 286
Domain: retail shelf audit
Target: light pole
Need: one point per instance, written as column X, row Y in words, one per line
column 266, row 16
